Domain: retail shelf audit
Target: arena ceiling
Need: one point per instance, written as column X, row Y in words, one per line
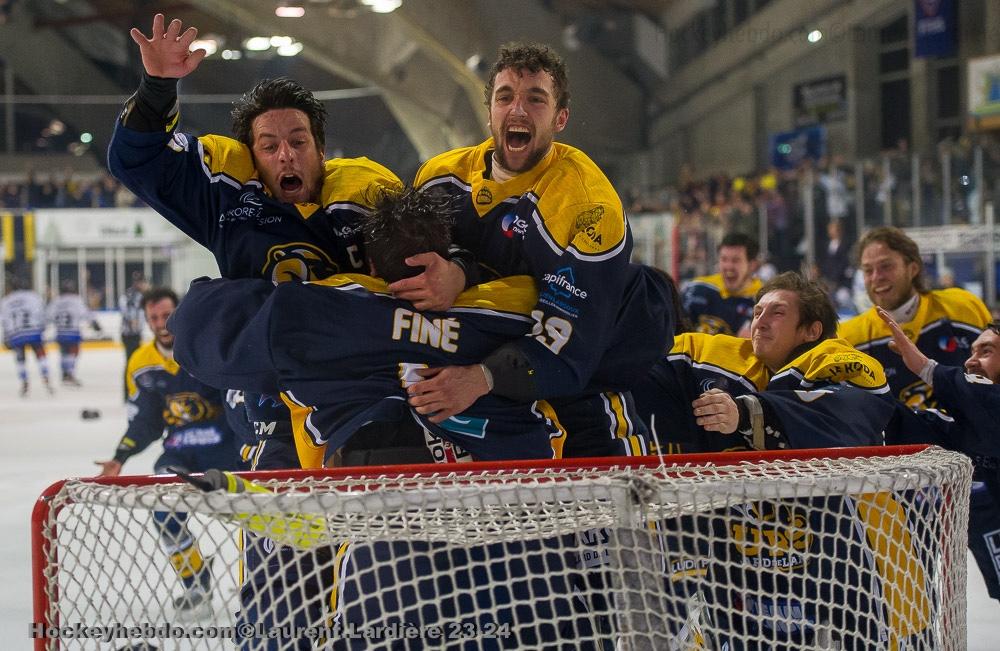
column 402, row 85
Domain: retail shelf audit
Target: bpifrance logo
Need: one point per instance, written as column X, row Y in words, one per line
column 563, row 283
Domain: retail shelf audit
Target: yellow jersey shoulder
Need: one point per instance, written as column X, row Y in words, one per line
column 147, row 357
column 956, row 304
column 577, row 203
column 456, row 163
column 726, row 353
column 513, row 294
column 229, row 157
column 835, row 360
column 355, row 181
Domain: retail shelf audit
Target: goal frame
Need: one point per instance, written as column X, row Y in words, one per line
column 43, row 556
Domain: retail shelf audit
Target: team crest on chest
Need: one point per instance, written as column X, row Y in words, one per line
column 484, row 197
column 297, row 261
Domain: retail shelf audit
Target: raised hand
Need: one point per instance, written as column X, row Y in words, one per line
column 167, row 53
column 912, row 357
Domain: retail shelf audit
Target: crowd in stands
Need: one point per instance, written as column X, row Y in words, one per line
column 65, row 190
column 706, row 207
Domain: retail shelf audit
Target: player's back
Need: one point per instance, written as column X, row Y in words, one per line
column 67, row 312
column 22, row 312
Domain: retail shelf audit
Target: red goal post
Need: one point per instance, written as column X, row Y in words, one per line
column 861, row 547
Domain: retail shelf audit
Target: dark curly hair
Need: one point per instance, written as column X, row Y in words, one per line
column 532, row 57
column 404, row 222
column 280, row 93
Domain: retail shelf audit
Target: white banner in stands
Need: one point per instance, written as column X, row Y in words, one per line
column 70, row 227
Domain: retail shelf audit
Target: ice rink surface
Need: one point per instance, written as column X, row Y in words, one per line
column 45, row 439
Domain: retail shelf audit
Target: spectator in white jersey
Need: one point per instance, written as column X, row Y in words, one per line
column 67, row 313
column 22, row 313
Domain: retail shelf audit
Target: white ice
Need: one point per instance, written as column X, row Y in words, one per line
column 44, row 440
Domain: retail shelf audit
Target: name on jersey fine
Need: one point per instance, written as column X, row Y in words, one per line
column 395, row 631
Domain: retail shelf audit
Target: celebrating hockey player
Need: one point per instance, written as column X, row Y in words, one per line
column 971, row 397
column 792, row 384
column 530, row 205
column 723, row 302
column 942, row 324
column 167, row 402
column 266, row 204
column 346, row 387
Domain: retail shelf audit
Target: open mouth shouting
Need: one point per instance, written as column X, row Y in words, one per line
column 290, row 184
column 517, row 138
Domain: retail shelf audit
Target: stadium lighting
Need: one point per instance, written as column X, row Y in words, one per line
column 210, row 45
column 289, row 49
column 290, row 12
column 280, row 41
column 232, row 55
column 382, row 6
column 814, row 36
column 257, row 43
column 86, row 137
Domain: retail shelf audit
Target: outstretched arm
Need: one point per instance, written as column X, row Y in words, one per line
column 167, row 52
column 912, row 357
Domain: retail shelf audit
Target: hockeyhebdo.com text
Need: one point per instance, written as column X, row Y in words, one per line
column 148, row 631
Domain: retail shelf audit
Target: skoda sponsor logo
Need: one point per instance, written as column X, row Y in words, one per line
column 563, row 283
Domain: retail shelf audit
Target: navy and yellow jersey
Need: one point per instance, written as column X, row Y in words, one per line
column 343, row 349
column 164, row 401
column 828, row 396
column 696, row 363
column 208, row 188
column 560, row 223
column 945, row 325
column 713, row 310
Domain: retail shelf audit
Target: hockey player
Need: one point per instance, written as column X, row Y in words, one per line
column 167, row 402
column 530, row 205
column 942, row 324
column 723, row 302
column 67, row 313
column 266, row 204
column 971, row 397
column 22, row 315
column 791, row 385
column 346, row 388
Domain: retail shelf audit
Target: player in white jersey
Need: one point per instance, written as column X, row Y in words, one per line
column 67, row 312
column 22, row 313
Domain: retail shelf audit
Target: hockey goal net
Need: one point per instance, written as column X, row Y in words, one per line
column 825, row 549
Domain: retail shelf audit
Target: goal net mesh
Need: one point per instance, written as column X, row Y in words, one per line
column 819, row 549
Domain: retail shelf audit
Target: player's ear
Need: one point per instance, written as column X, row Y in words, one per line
column 562, row 117
column 814, row 331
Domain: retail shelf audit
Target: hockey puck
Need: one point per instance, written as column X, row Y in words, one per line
column 90, row 414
